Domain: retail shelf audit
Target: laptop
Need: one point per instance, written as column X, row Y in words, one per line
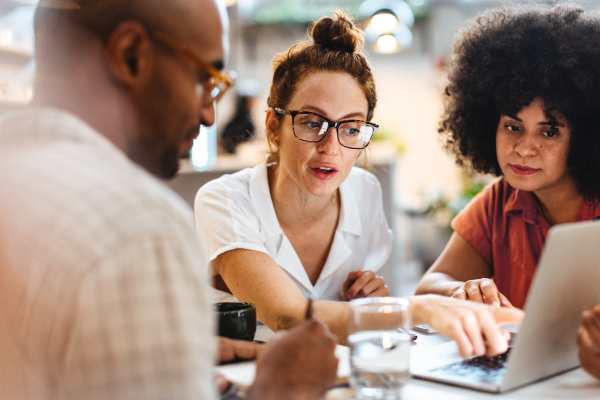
column 566, row 283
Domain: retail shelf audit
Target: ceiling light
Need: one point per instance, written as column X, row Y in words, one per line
column 384, row 22
column 387, row 43
column 387, row 24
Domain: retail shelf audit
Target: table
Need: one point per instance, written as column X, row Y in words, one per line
column 575, row 384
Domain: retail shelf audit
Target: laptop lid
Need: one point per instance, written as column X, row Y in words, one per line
column 566, row 283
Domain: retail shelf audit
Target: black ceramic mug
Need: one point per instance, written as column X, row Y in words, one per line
column 236, row 320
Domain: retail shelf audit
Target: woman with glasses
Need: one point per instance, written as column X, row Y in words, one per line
column 306, row 223
column 306, row 207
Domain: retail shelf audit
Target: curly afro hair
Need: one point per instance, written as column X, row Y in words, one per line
column 509, row 56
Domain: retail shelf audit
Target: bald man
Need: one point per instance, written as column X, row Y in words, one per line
column 102, row 281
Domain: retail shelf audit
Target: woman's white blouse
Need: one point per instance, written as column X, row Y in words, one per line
column 236, row 212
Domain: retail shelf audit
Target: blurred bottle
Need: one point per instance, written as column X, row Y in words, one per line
column 241, row 128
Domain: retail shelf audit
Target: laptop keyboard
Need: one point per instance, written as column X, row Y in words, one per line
column 486, row 369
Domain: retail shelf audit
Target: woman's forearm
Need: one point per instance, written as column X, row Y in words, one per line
column 332, row 313
column 458, row 263
column 335, row 315
column 438, row 283
column 254, row 277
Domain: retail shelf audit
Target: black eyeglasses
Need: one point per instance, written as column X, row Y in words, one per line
column 312, row 127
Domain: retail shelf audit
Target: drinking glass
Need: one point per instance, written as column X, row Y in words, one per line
column 379, row 345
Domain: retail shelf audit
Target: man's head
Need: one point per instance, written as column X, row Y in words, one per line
column 108, row 62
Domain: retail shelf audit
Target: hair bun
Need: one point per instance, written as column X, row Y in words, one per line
column 339, row 34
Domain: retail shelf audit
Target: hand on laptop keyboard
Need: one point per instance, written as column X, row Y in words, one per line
column 467, row 323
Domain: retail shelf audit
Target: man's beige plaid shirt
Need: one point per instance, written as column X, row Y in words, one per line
column 102, row 286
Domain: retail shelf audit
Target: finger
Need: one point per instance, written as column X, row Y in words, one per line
column 504, row 315
column 225, row 350
column 372, row 286
column 349, row 281
column 596, row 316
column 473, row 292
column 497, row 341
column 588, row 356
column 460, row 295
column 587, row 349
column 352, row 292
column 490, row 292
column 247, row 350
column 473, row 331
column 592, row 327
column 584, row 341
column 504, row 301
column 380, row 292
column 352, row 277
column 230, row 350
column 457, row 333
column 358, row 284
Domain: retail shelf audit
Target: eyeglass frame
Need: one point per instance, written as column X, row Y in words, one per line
column 332, row 124
column 216, row 76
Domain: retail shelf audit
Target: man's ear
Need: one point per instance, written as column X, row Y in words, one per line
column 271, row 123
column 129, row 52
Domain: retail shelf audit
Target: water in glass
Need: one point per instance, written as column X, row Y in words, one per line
column 379, row 363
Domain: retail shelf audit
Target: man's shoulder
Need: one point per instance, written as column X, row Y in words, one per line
column 77, row 177
column 129, row 195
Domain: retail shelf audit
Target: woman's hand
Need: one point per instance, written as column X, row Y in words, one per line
column 482, row 290
column 588, row 339
column 232, row 350
column 469, row 324
column 364, row 284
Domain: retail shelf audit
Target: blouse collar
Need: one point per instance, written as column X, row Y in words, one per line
column 260, row 196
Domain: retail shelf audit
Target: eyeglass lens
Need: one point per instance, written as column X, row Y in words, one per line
column 211, row 91
column 216, row 87
column 311, row 128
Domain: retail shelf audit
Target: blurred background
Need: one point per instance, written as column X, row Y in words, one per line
column 408, row 44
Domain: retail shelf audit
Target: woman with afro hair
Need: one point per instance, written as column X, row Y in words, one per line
column 522, row 103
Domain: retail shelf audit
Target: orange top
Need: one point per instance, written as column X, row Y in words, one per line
column 506, row 227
